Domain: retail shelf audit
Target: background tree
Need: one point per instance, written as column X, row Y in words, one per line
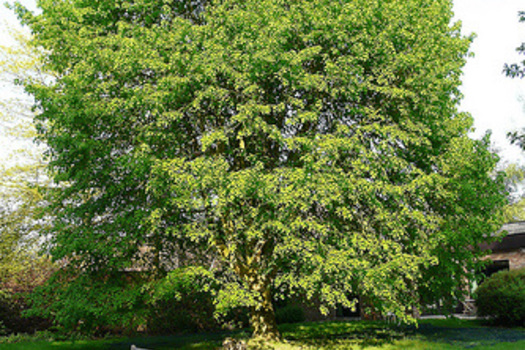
column 470, row 211
column 312, row 147
column 517, row 70
column 23, row 266
column 515, row 210
column 22, row 172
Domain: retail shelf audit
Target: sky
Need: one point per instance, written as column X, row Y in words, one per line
column 12, row 149
column 497, row 103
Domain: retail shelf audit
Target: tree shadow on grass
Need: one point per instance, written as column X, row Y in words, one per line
column 362, row 334
column 367, row 334
column 313, row 335
column 194, row 341
column 359, row 334
column 467, row 336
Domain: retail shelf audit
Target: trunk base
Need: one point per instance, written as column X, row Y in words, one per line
column 262, row 319
column 264, row 326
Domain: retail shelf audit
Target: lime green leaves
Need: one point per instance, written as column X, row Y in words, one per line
column 312, row 148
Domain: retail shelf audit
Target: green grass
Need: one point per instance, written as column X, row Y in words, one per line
column 446, row 334
column 186, row 342
column 453, row 322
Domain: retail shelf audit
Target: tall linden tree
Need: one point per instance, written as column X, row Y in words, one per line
column 313, row 147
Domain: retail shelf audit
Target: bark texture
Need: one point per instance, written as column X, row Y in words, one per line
column 262, row 318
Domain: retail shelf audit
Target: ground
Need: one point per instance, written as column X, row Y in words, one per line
column 430, row 335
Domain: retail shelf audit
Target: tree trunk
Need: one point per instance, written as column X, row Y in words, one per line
column 262, row 316
column 415, row 307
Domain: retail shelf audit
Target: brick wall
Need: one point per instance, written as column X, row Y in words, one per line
column 516, row 258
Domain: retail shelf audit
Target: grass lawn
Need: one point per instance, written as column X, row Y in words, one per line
column 430, row 335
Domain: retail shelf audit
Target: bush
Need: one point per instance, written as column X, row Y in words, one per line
column 15, row 289
column 12, row 320
column 110, row 303
column 39, row 336
column 502, row 298
column 183, row 301
column 289, row 314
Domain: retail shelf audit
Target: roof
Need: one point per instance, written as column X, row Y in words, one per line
column 515, row 238
column 514, row 228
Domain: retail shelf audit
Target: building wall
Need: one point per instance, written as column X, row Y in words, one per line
column 516, row 258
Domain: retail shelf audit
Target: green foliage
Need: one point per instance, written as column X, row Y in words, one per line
column 471, row 209
column 514, row 177
column 39, row 336
column 188, row 299
column 12, row 320
column 502, row 298
column 289, row 314
column 308, row 146
column 78, row 304
column 183, row 301
column 14, row 302
column 22, row 180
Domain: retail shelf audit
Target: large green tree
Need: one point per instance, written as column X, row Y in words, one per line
column 313, row 147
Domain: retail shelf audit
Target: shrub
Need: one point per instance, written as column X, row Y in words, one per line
column 12, row 320
column 15, row 289
column 289, row 314
column 502, row 298
column 110, row 303
column 39, row 336
column 183, row 301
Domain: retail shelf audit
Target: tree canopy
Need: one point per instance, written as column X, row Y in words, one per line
column 306, row 147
